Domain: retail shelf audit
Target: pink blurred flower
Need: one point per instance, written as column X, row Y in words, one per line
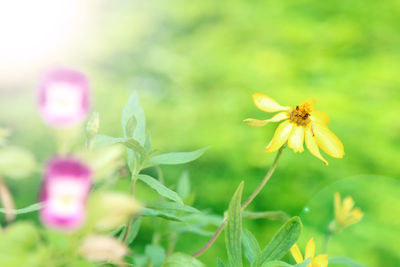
column 65, row 189
column 64, row 97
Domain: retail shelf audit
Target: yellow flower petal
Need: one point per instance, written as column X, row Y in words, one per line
column 267, row 104
column 348, row 204
column 355, row 216
column 312, row 144
column 327, row 140
column 320, row 117
column 320, row 261
column 310, row 249
column 337, row 205
column 259, row 123
column 296, row 139
column 295, row 251
column 280, row 137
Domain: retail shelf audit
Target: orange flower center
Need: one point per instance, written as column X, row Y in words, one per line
column 301, row 114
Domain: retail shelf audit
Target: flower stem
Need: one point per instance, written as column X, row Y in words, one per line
column 7, row 201
column 244, row 204
column 328, row 236
column 128, row 227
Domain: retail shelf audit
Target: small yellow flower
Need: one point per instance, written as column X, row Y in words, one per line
column 300, row 124
column 345, row 215
column 318, row 261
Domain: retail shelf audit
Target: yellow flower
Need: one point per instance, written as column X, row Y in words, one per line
column 300, row 124
column 318, row 261
column 345, row 215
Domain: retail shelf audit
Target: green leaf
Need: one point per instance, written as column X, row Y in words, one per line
column 171, row 206
column 176, row 157
column 156, row 254
column 135, row 226
column 156, row 213
column 345, row 261
column 220, row 263
column 136, row 127
column 234, row 229
column 160, row 188
column 105, row 140
column 147, row 143
column 283, row 240
column 269, row 215
column 16, row 162
column 183, row 186
column 252, row 249
column 182, row 260
column 284, row 264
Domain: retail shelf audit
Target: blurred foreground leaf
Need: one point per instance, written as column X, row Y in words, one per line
column 156, row 254
column 16, row 162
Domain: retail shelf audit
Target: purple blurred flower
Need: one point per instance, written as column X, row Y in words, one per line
column 64, row 97
column 65, row 189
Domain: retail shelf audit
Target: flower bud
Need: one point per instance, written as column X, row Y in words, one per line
column 92, row 126
column 64, row 192
column 64, row 97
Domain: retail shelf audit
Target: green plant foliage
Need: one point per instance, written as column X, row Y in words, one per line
column 233, row 232
column 156, row 254
column 283, row 240
column 134, row 230
column 252, row 249
column 161, row 214
column 182, row 260
column 160, row 188
column 176, row 158
column 16, row 162
column 284, row 264
column 342, row 262
column 183, row 186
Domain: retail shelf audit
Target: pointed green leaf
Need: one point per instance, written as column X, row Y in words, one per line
column 160, row 188
column 176, row 157
column 234, row 229
column 133, row 231
column 182, row 260
column 133, row 109
column 283, row 240
column 161, row 214
column 171, row 206
column 105, row 140
column 252, row 249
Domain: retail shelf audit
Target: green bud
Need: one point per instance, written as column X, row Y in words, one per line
column 93, row 125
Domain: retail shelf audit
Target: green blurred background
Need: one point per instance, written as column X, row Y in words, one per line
column 196, row 65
